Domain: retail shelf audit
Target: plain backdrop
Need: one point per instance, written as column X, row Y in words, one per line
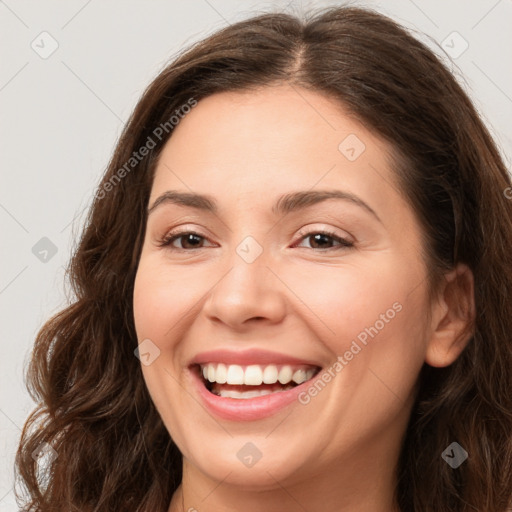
column 72, row 72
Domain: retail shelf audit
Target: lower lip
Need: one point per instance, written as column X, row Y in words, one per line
column 246, row 409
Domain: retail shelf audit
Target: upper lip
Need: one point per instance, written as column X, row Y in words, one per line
column 248, row 357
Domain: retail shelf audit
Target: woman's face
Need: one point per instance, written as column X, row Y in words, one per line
column 260, row 294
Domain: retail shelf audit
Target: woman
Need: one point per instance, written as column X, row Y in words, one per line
column 292, row 292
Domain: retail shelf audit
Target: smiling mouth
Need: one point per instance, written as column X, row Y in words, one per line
column 252, row 381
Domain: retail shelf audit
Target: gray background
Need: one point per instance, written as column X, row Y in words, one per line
column 61, row 116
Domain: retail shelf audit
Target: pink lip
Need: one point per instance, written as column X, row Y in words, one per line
column 246, row 357
column 249, row 409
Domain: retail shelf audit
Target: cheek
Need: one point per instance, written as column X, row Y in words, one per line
column 358, row 301
column 373, row 316
column 162, row 300
column 374, row 320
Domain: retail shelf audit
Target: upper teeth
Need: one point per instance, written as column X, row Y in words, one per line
column 254, row 375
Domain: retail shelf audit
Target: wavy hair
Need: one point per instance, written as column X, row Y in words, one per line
column 113, row 450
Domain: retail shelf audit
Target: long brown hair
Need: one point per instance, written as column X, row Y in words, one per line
column 113, row 451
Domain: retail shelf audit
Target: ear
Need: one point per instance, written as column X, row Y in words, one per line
column 453, row 317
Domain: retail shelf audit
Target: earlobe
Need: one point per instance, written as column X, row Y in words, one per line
column 452, row 318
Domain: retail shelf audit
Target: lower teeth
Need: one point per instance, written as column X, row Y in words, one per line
column 228, row 393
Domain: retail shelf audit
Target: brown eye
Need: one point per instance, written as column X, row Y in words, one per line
column 324, row 240
column 189, row 240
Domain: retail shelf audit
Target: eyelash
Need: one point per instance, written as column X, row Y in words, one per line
column 167, row 240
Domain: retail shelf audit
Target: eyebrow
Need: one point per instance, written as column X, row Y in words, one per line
column 285, row 204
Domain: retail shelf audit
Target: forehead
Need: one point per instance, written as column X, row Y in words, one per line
column 260, row 144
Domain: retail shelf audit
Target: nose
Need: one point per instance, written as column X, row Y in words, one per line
column 247, row 293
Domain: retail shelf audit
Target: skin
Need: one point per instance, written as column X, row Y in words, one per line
column 340, row 450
